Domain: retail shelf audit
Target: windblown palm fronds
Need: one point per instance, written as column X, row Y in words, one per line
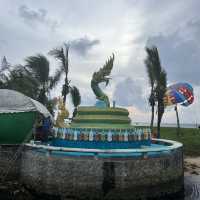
column 76, row 98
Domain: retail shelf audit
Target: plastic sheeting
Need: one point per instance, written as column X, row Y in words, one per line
column 13, row 102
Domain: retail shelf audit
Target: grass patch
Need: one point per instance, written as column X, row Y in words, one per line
column 190, row 137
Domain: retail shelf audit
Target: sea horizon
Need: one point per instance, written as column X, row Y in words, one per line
column 182, row 125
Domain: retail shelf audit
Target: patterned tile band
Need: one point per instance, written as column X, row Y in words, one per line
column 102, row 135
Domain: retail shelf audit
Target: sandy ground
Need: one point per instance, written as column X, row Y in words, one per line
column 192, row 165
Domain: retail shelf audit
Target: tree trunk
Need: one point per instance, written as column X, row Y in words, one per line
column 152, row 118
column 158, row 126
column 75, row 112
column 65, row 90
column 64, row 98
column 160, row 114
column 152, row 103
column 178, row 122
column 42, row 98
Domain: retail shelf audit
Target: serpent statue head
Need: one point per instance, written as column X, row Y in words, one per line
column 102, row 76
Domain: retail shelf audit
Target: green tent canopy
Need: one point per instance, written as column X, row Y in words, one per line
column 17, row 116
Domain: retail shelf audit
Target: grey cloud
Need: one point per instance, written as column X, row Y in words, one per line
column 3, row 43
column 194, row 27
column 31, row 16
column 180, row 56
column 129, row 93
column 83, row 45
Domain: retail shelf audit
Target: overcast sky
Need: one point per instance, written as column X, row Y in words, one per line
column 95, row 29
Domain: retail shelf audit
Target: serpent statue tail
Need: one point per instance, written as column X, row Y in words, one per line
column 102, row 76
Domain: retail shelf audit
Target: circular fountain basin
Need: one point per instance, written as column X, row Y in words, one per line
column 81, row 173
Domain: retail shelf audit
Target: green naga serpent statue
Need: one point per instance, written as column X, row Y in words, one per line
column 102, row 76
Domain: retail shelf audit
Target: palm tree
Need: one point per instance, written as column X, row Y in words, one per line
column 157, row 79
column 160, row 93
column 150, row 72
column 62, row 55
column 38, row 66
column 17, row 78
column 21, row 80
column 76, row 99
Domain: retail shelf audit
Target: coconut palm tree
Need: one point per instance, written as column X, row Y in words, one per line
column 76, row 99
column 157, row 79
column 21, row 79
column 160, row 93
column 150, row 72
column 17, row 78
column 38, row 66
column 62, row 54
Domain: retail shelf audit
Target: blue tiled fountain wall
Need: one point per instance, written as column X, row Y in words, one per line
column 101, row 139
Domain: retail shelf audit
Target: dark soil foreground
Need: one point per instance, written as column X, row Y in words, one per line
column 13, row 190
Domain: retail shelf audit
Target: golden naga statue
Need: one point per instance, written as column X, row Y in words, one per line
column 63, row 113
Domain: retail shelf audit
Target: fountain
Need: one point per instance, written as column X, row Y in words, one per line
column 100, row 155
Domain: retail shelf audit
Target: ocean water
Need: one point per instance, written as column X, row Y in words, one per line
column 168, row 125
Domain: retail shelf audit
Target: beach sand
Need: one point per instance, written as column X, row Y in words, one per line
column 192, row 165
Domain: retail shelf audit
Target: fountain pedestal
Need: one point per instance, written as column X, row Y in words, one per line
column 103, row 175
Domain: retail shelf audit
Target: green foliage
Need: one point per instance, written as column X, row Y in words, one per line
column 150, row 67
column 158, row 81
column 190, row 137
column 151, row 75
column 62, row 54
column 39, row 67
column 76, row 98
column 21, row 80
column 160, row 93
column 56, row 78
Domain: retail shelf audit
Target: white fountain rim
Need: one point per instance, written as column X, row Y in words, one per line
column 144, row 149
